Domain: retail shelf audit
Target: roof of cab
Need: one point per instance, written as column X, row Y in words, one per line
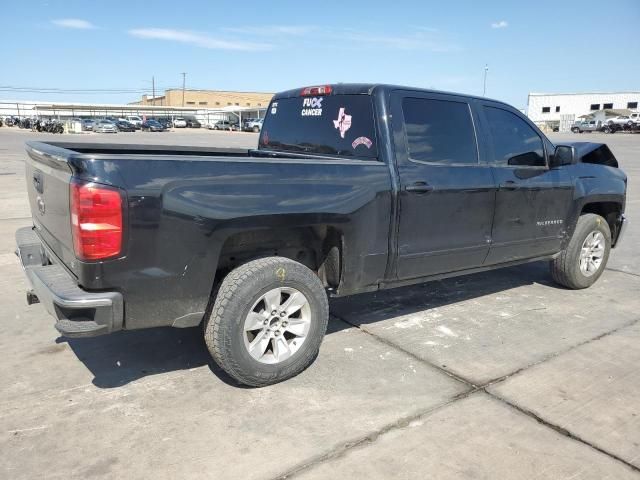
column 369, row 88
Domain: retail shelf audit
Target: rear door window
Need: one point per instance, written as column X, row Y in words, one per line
column 341, row 125
column 439, row 131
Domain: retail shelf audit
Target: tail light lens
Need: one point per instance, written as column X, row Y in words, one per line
column 96, row 221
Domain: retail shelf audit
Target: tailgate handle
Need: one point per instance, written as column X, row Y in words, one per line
column 38, row 182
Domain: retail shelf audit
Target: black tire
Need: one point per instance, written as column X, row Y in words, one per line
column 565, row 268
column 224, row 328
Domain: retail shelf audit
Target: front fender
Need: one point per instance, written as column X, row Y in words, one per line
column 594, row 184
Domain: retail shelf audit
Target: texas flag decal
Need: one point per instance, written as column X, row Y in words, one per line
column 343, row 123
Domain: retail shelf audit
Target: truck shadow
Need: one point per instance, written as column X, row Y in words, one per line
column 120, row 358
column 377, row 306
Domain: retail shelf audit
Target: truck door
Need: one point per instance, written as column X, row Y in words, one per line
column 447, row 194
column 532, row 201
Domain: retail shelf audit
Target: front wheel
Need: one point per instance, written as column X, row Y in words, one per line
column 267, row 322
column 584, row 259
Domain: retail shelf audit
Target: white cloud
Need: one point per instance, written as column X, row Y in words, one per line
column 419, row 38
column 273, row 29
column 500, row 24
column 76, row 23
column 198, row 39
column 416, row 41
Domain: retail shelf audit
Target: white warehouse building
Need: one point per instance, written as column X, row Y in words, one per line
column 561, row 110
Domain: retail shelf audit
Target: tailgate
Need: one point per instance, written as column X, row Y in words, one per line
column 48, row 175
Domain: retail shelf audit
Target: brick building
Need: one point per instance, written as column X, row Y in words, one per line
column 207, row 99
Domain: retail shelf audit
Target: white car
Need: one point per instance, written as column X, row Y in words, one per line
column 179, row 122
column 619, row 120
column 134, row 119
column 253, row 125
column 105, row 126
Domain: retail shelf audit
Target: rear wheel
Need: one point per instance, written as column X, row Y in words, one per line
column 586, row 255
column 267, row 322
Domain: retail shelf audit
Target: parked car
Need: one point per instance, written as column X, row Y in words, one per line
column 124, row 126
column 179, row 122
column 164, row 121
column 335, row 202
column 612, row 128
column 105, row 126
column 635, row 117
column 253, row 125
column 225, row 125
column 619, row 120
column 135, row 120
column 152, row 126
column 589, row 126
column 87, row 124
column 193, row 123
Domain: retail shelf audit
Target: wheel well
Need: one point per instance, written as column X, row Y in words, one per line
column 318, row 248
column 607, row 210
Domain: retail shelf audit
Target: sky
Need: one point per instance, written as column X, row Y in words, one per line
column 108, row 51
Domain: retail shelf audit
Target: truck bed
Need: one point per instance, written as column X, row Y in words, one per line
column 185, row 207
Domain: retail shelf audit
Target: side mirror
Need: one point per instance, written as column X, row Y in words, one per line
column 563, row 155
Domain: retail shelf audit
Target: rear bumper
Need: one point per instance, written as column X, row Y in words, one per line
column 78, row 313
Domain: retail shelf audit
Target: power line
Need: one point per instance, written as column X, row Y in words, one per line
column 71, row 90
column 150, row 90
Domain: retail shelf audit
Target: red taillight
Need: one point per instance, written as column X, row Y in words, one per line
column 322, row 90
column 96, row 221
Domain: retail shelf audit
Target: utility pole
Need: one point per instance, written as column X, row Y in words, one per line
column 184, row 75
column 153, row 91
column 484, row 84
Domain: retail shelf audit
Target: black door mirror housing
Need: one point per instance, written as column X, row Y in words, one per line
column 563, row 155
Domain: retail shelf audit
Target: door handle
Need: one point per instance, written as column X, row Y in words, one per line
column 418, row 187
column 509, row 185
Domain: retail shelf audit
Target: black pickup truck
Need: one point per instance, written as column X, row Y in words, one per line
column 353, row 188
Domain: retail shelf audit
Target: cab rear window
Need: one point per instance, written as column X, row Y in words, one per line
column 340, row 125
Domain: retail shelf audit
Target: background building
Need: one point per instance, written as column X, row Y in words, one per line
column 551, row 110
column 208, row 106
column 214, row 99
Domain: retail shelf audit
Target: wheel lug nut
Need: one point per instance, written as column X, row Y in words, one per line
column 273, row 312
column 282, row 314
column 266, row 322
column 277, row 332
column 284, row 324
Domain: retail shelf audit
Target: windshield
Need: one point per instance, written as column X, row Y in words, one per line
column 330, row 125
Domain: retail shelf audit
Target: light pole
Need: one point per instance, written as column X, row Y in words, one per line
column 484, row 83
column 184, row 75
